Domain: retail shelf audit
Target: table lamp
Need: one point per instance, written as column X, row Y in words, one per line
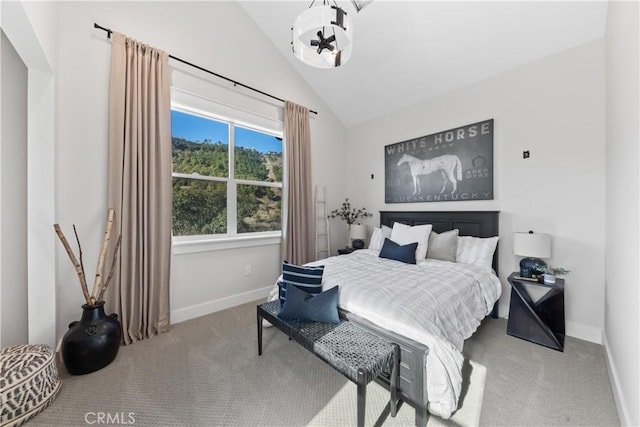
column 532, row 246
column 357, row 235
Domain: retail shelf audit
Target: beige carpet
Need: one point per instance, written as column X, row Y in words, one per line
column 206, row 372
column 341, row 409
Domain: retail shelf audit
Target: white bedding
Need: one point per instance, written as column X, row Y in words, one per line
column 436, row 303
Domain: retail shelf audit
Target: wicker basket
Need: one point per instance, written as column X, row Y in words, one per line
column 29, row 382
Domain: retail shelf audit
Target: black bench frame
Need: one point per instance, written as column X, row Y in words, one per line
column 308, row 334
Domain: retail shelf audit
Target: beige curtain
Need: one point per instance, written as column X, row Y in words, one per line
column 298, row 239
column 140, row 186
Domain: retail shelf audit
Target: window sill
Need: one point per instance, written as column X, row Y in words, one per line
column 193, row 244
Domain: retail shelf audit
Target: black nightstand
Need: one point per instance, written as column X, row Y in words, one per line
column 542, row 321
column 346, row 251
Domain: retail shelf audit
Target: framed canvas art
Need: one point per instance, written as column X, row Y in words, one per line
column 452, row 165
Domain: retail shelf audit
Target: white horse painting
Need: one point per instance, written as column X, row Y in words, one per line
column 449, row 166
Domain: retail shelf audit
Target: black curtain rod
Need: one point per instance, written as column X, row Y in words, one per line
column 235, row 83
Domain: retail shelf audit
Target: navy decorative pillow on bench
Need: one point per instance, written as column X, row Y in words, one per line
column 301, row 305
column 307, row 278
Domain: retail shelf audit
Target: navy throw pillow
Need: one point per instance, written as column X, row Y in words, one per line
column 402, row 253
column 301, row 305
column 307, row 278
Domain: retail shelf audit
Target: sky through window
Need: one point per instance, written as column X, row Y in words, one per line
column 198, row 129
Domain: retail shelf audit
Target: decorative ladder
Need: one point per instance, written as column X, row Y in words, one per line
column 322, row 225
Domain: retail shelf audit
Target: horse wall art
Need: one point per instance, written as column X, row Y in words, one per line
column 446, row 166
column 449, row 166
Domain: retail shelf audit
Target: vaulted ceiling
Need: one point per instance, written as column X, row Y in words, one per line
column 405, row 52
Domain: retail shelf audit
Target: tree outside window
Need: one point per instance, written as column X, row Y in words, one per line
column 227, row 178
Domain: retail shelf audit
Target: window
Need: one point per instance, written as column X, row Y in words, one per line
column 227, row 176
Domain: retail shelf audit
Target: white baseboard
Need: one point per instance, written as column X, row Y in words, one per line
column 572, row 329
column 614, row 379
column 198, row 310
column 583, row 332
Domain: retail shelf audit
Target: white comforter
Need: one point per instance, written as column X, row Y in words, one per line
column 436, row 303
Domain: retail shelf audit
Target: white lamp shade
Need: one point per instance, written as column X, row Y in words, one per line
column 305, row 29
column 533, row 245
column 358, row 231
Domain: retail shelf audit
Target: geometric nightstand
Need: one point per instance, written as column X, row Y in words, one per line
column 537, row 319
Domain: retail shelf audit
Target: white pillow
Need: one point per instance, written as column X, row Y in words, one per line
column 378, row 236
column 476, row 251
column 404, row 234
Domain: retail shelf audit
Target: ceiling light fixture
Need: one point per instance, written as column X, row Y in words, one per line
column 360, row 4
column 322, row 36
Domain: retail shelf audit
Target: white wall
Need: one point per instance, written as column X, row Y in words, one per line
column 43, row 19
column 553, row 107
column 218, row 36
column 622, row 295
column 32, row 29
column 13, row 201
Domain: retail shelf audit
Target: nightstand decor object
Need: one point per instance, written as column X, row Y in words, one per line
column 346, row 251
column 538, row 320
column 357, row 233
column 550, row 274
column 532, row 246
column 357, row 244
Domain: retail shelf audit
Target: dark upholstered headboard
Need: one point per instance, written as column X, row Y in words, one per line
column 470, row 223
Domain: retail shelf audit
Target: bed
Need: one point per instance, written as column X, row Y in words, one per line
column 365, row 297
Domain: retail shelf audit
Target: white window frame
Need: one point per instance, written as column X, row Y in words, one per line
column 208, row 109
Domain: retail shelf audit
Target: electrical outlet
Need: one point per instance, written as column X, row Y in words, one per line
column 525, row 154
column 371, row 176
column 247, row 270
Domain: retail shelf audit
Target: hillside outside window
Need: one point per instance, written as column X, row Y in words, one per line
column 227, row 176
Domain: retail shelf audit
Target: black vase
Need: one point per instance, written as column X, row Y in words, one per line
column 93, row 342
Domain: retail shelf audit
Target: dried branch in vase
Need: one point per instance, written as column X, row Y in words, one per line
column 99, row 285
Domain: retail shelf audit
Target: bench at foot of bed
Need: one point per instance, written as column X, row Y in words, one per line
column 350, row 349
